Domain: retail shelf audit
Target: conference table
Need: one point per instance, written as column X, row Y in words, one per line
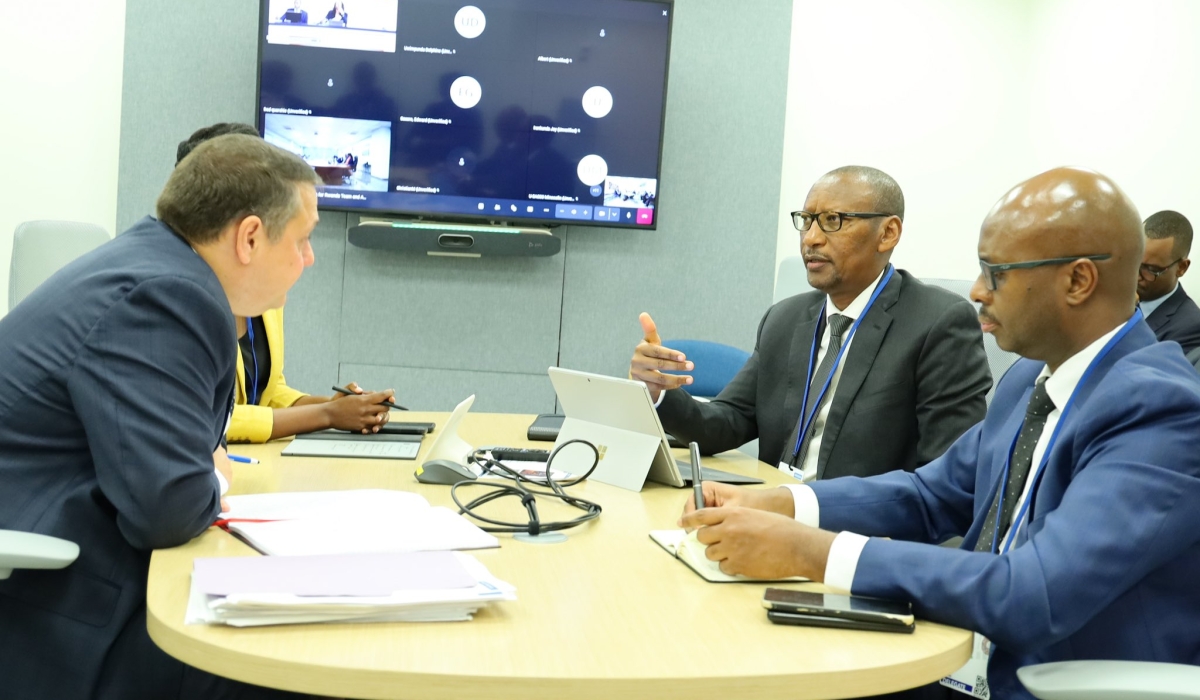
column 605, row 614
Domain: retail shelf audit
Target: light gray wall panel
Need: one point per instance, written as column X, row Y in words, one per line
column 187, row 65
column 440, row 390
column 707, row 271
column 489, row 314
column 439, row 329
column 313, row 316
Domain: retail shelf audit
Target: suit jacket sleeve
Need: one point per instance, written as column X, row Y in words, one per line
column 256, row 423
column 144, row 387
column 952, row 381
column 726, row 422
column 1128, row 510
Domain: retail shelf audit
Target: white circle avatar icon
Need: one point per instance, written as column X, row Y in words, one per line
column 466, row 92
column 470, row 22
column 592, row 170
column 597, row 102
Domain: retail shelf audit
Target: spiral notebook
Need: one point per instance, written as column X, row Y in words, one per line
column 686, row 548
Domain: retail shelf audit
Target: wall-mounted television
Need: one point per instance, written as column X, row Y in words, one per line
column 530, row 112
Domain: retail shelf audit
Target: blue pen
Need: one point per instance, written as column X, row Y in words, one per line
column 243, row 460
column 697, row 487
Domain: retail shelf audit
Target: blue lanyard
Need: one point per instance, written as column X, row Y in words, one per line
column 254, row 359
column 1062, row 418
column 805, row 424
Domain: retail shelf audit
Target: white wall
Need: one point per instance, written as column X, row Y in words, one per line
column 60, row 86
column 959, row 101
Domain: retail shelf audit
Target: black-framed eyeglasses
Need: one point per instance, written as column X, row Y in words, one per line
column 1149, row 273
column 989, row 270
column 830, row 221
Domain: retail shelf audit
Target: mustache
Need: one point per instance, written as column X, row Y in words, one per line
column 811, row 257
column 985, row 317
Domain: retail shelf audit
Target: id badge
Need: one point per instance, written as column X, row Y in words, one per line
column 788, row 469
column 971, row 679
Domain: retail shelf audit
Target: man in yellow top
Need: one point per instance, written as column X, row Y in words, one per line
column 266, row 407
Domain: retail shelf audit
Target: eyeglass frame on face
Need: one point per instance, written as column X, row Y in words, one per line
column 840, row 214
column 1145, row 269
column 988, row 270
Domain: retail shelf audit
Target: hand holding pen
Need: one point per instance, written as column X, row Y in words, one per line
column 353, row 389
column 358, row 411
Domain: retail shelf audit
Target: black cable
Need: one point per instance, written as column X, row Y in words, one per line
column 528, row 495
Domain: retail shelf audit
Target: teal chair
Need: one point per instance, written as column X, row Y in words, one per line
column 716, row 365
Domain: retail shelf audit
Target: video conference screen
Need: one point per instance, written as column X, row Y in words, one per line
column 525, row 111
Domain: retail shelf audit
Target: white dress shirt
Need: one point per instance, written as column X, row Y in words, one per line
column 808, row 471
column 847, row 546
column 1148, row 307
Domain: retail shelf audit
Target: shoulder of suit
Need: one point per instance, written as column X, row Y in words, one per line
column 927, row 294
column 148, row 255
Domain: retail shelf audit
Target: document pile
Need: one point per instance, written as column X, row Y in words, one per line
column 349, row 522
column 403, row 587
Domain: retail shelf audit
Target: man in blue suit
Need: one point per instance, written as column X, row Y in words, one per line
column 1078, row 496
column 116, row 386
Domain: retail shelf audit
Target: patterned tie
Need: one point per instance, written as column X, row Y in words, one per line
column 1039, row 407
column 838, row 325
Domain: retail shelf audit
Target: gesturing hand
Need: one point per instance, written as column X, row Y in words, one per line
column 649, row 357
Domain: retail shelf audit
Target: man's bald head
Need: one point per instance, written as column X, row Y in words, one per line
column 1069, row 212
column 1051, row 311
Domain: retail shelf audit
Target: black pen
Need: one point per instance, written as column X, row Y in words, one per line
column 389, row 404
column 697, row 488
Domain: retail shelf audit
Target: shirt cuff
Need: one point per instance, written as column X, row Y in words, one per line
column 808, row 511
column 843, row 561
column 661, row 395
column 224, row 485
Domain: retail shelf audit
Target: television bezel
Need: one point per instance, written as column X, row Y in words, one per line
column 462, row 218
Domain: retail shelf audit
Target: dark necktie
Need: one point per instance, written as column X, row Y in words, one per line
column 838, row 325
column 1021, row 462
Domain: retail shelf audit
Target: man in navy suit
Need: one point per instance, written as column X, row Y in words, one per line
column 1077, row 497
column 1170, row 312
column 116, row 386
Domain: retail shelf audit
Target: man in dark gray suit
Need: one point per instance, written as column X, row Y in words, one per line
column 911, row 377
column 1170, row 312
column 116, row 385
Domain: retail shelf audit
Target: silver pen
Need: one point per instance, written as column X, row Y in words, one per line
column 697, row 487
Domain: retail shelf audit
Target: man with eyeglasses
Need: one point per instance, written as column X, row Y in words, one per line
column 874, row 371
column 1077, row 497
column 1171, row 313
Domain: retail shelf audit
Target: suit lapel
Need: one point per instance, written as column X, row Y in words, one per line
column 864, row 346
column 798, row 364
column 1162, row 315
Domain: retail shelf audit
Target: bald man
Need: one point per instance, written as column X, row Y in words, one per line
column 1098, row 423
column 910, row 378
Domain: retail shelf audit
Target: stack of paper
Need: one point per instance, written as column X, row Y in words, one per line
column 348, row 522
column 410, row 587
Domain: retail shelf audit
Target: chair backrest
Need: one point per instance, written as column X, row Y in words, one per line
column 41, row 248
column 1111, row 680
column 998, row 360
column 716, row 364
column 26, row 550
column 792, row 278
column 1194, row 358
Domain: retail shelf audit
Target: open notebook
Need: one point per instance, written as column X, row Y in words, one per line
column 349, row 522
column 686, row 548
